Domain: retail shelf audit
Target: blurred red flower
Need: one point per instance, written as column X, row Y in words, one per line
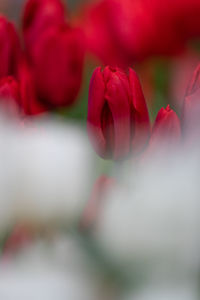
column 121, row 32
column 93, row 19
column 57, row 64
column 38, row 16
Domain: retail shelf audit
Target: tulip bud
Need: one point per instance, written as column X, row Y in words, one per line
column 9, row 95
column 9, row 49
column 166, row 132
column 38, row 16
column 29, row 102
column 118, row 120
column 57, row 63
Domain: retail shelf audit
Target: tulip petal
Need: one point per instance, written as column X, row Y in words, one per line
column 28, row 100
column 107, row 125
column 9, row 48
column 140, row 119
column 96, row 103
column 117, row 98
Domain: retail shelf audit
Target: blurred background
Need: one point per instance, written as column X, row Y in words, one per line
column 73, row 225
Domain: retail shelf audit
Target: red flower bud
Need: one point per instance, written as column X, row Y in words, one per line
column 9, row 95
column 166, row 131
column 118, row 120
column 57, row 64
column 29, row 102
column 9, row 48
column 38, row 16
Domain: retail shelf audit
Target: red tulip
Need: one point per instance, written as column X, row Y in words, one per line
column 29, row 102
column 118, row 120
column 166, row 132
column 145, row 28
column 99, row 40
column 57, row 65
column 9, row 48
column 9, row 95
column 129, row 30
column 38, row 16
column 131, row 26
column 142, row 28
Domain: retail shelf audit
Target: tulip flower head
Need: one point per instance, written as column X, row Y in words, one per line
column 166, row 132
column 57, row 64
column 118, row 120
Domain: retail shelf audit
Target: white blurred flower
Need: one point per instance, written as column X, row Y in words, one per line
column 45, row 171
column 165, row 293
column 151, row 220
column 38, row 274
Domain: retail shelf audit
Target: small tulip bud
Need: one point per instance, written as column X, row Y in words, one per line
column 118, row 120
column 166, row 132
